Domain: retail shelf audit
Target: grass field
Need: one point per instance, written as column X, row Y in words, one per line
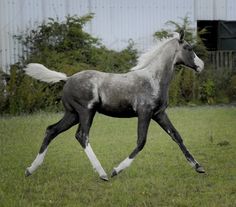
column 160, row 175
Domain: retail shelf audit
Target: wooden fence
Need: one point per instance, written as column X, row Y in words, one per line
column 223, row 59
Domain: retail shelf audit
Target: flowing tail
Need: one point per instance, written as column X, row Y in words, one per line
column 40, row 72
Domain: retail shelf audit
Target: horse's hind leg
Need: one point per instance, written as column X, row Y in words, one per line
column 82, row 135
column 52, row 131
column 163, row 120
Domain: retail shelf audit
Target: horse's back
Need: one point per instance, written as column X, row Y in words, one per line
column 112, row 94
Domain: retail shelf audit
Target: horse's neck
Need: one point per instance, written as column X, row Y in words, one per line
column 162, row 66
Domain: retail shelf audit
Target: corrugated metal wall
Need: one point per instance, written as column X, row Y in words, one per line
column 17, row 16
column 115, row 21
column 215, row 10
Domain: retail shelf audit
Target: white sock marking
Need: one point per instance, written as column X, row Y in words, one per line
column 94, row 161
column 37, row 162
column 124, row 164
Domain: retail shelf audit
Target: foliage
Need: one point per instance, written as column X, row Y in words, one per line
column 208, row 91
column 190, row 35
column 232, row 88
column 3, row 95
column 61, row 46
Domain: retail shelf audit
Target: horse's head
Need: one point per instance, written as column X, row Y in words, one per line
column 186, row 56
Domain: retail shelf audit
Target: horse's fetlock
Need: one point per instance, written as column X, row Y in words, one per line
column 78, row 136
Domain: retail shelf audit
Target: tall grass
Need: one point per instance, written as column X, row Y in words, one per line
column 160, row 175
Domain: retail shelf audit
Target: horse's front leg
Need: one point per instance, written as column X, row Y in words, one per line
column 163, row 120
column 143, row 122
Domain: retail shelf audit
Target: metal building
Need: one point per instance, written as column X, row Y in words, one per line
column 115, row 21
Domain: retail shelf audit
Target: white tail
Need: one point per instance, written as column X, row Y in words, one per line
column 40, row 72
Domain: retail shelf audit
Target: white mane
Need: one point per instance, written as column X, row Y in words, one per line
column 145, row 58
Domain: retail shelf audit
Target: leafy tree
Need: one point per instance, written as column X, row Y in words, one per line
column 62, row 46
column 190, row 35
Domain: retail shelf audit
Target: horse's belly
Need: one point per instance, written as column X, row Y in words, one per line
column 121, row 111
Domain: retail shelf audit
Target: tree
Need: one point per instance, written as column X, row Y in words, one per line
column 62, row 46
column 191, row 35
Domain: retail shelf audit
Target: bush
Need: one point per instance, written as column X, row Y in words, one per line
column 184, row 88
column 61, row 46
column 208, row 91
column 232, row 88
column 3, row 92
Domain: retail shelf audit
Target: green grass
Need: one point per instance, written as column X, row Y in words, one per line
column 160, row 175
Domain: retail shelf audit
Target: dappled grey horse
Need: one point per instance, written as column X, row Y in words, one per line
column 142, row 93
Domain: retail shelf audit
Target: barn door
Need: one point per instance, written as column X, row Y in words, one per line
column 227, row 35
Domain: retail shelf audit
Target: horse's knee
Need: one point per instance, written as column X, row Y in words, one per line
column 175, row 136
column 141, row 144
column 82, row 139
column 50, row 131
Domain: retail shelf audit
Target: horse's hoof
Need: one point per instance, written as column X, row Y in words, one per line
column 104, row 177
column 114, row 173
column 27, row 173
column 200, row 169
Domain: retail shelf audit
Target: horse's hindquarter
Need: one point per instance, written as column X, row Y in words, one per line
column 80, row 90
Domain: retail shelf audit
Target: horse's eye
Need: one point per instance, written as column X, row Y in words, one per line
column 188, row 47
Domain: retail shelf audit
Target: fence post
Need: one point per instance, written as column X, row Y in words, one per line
column 223, row 59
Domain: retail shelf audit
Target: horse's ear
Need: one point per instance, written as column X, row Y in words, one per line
column 181, row 35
